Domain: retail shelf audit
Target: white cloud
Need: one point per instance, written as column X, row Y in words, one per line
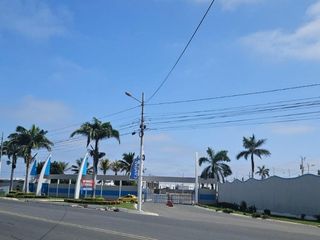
column 233, row 4
column 31, row 110
column 292, row 129
column 33, row 19
column 161, row 137
column 302, row 43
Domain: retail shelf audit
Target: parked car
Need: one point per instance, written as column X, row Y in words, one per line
column 128, row 198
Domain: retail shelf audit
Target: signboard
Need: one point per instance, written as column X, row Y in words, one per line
column 134, row 171
column 86, row 184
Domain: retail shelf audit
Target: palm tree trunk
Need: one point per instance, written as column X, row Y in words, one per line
column 26, row 181
column 13, row 166
column 252, row 166
column 94, row 178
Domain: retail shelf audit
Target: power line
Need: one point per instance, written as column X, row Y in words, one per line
column 212, row 114
column 244, row 122
column 237, row 95
column 102, row 117
column 182, row 53
column 173, row 114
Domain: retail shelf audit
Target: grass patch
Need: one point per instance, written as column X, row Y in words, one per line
column 103, row 202
column 126, row 205
column 265, row 216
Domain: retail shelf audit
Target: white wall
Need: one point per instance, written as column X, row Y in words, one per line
column 296, row 196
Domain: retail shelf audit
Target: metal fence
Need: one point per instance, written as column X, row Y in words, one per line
column 176, row 198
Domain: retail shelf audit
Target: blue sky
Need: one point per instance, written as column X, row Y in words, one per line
column 63, row 62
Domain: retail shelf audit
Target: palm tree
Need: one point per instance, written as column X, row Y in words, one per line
column 252, row 145
column 28, row 140
column 96, row 131
column 217, row 168
column 13, row 151
column 105, row 165
column 58, row 167
column 126, row 162
column 39, row 167
column 75, row 168
column 263, row 172
column 116, row 166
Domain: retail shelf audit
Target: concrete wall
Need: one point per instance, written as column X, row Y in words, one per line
column 295, row 196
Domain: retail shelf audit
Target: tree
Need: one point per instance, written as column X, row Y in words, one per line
column 252, row 146
column 96, row 131
column 28, row 140
column 13, row 151
column 39, row 167
column 126, row 162
column 75, row 168
column 116, row 166
column 104, row 165
column 263, row 172
column 217, row 168
column 58, row 167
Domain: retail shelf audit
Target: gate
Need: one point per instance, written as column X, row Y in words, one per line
column 176, row 198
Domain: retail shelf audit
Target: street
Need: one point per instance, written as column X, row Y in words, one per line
column 35, row 221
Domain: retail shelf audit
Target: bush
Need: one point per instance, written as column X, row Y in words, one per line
column 243, row 206
column 226, row 210
column 92, row 201
column 252, row 209
column 317, row 216
column 264, row 216
column 267, row 212
column 255, row 215
column 302, row 216
column 232, row 206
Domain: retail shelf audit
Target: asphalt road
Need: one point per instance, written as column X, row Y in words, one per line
column 35, row 221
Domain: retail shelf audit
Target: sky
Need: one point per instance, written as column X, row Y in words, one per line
column 64, row 62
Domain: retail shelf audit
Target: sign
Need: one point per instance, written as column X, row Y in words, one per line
column 134, row 171
column 86, row 184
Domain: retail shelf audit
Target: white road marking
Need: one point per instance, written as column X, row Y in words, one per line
column 128, row 235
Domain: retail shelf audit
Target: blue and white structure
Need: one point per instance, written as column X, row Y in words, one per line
column 82, row 171
column 45, row 171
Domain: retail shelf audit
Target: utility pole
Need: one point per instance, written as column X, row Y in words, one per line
column 142, row 127
column 142, row 156
column 196, row 184
column 302, row 164
column 1, row 150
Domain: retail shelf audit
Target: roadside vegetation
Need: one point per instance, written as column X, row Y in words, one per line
column 251, row 211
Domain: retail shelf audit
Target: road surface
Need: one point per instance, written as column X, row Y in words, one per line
column 35, row 221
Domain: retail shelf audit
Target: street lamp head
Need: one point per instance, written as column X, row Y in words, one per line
column 128, row 94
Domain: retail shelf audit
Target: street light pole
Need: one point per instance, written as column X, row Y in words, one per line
column 141, row 135
column 1, row 150
column 141, row 154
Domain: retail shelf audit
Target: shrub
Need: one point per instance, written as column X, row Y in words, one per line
column 252, row 209
column 243, row 206
column 99, row 202
column 94, row 199
column 267, row 212
column 255, row 215
column 302, row 216
column 233, row 206
column 226, row 210
column 317, row 216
